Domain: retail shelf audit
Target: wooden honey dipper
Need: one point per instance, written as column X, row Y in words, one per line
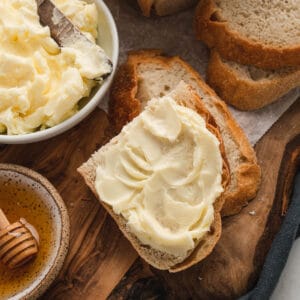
column 18, row 242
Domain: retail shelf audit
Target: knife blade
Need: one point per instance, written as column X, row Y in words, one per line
column 66, row 34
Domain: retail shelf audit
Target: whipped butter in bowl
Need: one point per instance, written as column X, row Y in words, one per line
column 46, row 89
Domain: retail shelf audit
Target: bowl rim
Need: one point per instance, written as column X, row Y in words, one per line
column 89, row 107
column 64, row 232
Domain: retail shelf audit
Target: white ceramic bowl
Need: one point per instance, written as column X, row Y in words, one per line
column 109, row 41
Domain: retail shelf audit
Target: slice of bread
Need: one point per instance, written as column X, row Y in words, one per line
column 148, row 74
column 264, row 34
column 164, row 7
column 247, row 87
column 186, row 96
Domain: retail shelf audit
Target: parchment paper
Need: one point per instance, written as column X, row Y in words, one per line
column 175, row 36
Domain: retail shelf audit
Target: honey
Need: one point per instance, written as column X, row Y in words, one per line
column 20, row 196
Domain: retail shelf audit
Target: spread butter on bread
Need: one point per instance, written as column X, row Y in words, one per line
column 162, row 179
column 148, row 74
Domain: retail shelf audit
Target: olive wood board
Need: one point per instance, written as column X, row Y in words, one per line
column 101, row 263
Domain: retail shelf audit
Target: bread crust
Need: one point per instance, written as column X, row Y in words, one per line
column 146, row 6
column 234, row 46
column 157, row 258
column 167, row 7
column 247, row 174
column 245, row 93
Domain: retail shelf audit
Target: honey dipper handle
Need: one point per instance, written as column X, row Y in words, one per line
column 3, row 220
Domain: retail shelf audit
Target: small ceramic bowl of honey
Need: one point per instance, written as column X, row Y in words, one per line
column 25, row 194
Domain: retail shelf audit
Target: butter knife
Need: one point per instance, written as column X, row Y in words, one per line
column 96, row 64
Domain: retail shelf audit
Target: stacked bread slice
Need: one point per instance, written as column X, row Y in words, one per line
column 256, row 56
column 247, row 87
column 150, row 75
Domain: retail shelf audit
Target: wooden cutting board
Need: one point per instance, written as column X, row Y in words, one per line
column 99, row 255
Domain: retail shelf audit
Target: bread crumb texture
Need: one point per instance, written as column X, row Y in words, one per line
column 274, row 22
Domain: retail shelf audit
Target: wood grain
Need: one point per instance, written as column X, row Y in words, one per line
column 99, row 255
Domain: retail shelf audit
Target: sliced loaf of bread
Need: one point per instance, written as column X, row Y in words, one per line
column 164, row 7
column 248, row 87
column 183, row 95
column 265, row 34
column 148, row 74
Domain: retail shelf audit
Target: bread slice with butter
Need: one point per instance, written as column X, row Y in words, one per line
column 162, row 180
column 247, row 87
column 148, row 74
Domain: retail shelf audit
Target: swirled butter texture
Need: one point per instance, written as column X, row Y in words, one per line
column 40, row 84
column 162, row 173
